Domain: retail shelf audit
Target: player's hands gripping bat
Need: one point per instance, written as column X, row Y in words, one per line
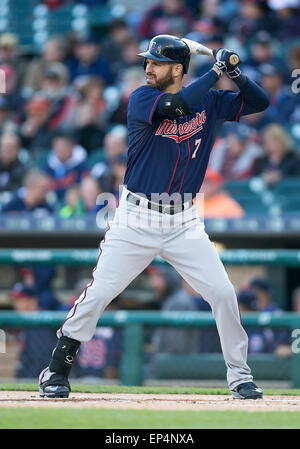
column 227, row 61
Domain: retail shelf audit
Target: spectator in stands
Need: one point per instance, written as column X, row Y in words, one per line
column 88, row 60
column 209, row 19
column 267, row 339
column 33, row 197
column 39, row 279
column 282, row 100
column 132, row 78
column 62, row 100
column 118, row 170
column 235, row 156
column 169, row 295
column 164, row 282
column 114, row 145
column 288, row 15
column 90, row 116
column 30, row 357
column 82, row 199
column 7, row 123
column 66, row 163
column 53, row 51
column 165, row 17
column 279, row 160
column 28, row 295
column 217, row 203
column 10, row 55
column 128, row 58
column 247, row 300
column 14, row 99
column 294, row 58
column 89, row 191
column 71, row 204
column 262, row 52
column 36, row 130
column 129, row 54
column 263, row 291
column 174, row 294
column 260, row 339
column 119, row 34
column 12, row 168
column 253, row 16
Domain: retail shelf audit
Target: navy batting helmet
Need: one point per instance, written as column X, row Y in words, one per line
column 168, row 49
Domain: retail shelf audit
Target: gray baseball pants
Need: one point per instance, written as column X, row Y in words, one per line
column 134, row 238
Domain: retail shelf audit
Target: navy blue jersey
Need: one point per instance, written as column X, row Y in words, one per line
column 170, row 154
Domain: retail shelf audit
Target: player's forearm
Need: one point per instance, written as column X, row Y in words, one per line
column 195, row 92
column 255, row 99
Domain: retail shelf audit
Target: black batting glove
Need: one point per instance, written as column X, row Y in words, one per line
column 235, row 73
column 221, row 66
column 222, row 56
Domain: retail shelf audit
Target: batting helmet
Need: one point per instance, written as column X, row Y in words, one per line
column 168, row 49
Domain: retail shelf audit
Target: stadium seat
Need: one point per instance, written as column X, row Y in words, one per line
column 290, row 205
column 238, row 187
column 22, row 17
column 288, row 187
column 251, row 203
column 242, row 192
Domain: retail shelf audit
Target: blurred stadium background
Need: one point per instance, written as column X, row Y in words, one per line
column 70, row 67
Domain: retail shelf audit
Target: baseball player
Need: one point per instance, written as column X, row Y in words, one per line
column 171, row 131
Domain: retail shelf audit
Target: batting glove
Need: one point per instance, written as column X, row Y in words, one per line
column 222, row 55
column 221, row 66
column 235, row 73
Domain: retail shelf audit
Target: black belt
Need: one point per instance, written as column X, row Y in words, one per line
column 162, row 208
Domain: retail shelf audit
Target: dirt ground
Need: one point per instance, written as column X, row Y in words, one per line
column 150, row 401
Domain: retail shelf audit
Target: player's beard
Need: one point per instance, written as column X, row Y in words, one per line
column 165, row 82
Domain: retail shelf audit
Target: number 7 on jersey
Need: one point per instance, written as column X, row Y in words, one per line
column 197, row 145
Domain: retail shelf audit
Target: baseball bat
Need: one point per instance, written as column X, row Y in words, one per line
column 199, row 49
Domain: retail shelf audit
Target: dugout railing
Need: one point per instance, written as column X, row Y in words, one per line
column 207, row 365
column 77, row 256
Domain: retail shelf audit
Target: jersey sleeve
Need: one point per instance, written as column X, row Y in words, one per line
column 229, row 105
column 143, row 103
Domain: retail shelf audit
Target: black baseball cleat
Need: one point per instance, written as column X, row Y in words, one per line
column 247, row 390
column 56, row 387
